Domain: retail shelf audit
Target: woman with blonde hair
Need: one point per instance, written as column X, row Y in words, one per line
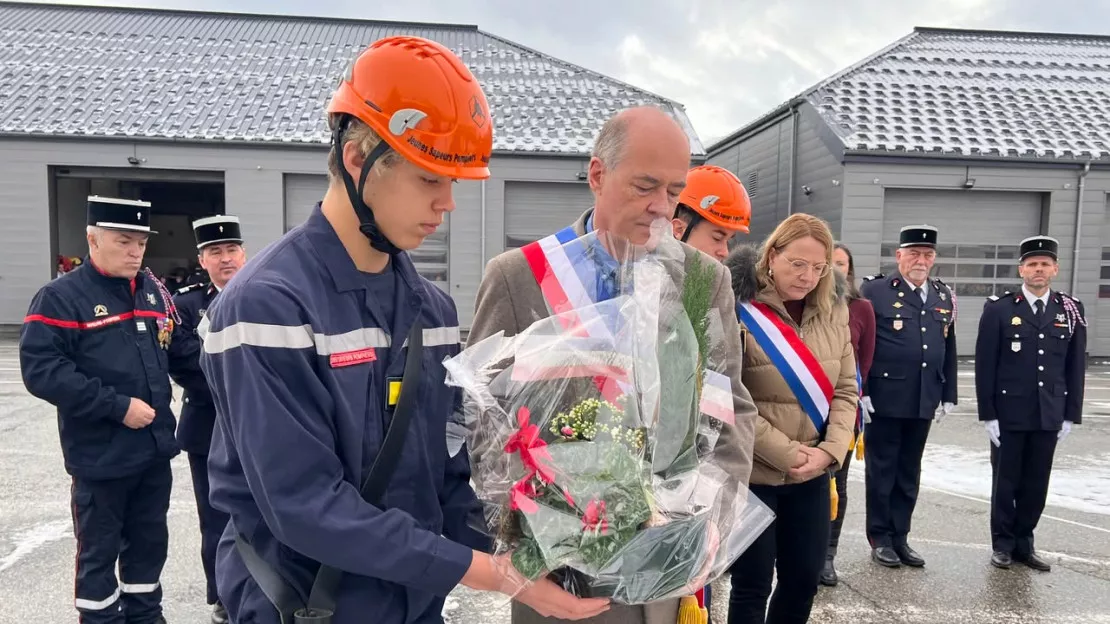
column 800, row 368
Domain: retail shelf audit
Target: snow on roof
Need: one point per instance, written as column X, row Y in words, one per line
column 147, row 73
column 973, row 93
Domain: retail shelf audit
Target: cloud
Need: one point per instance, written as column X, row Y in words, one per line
column 727, row 61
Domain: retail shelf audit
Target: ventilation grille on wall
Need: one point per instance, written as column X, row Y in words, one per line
column 752, row 185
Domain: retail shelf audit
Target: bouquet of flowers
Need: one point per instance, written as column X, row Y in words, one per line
column 594, row 433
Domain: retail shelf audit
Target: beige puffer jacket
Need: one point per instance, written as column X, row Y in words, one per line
column 782, row 425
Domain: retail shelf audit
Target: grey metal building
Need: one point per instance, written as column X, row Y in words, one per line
column 207, row 113
column 990, row 136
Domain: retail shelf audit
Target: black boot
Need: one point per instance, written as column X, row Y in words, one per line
column 828, row 574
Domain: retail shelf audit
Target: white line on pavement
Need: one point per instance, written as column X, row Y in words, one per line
column 34, row 538
column 1044, row 515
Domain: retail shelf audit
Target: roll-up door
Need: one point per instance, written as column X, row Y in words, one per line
column 535, row 209
column 978, row 240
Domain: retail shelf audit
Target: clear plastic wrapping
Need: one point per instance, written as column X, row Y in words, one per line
column 595, row 434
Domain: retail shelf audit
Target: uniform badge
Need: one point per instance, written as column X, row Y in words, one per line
column 1060, row 318
column 943, row 296
column 100, row 310
column 165, row 332
column 150, row 299
column 897, row 324
column 1016, row 320
column 1015, row 346
column 897, row 304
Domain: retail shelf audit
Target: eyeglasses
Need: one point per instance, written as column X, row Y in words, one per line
column 798, row 267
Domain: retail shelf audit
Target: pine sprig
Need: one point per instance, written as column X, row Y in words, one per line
column 697, row 299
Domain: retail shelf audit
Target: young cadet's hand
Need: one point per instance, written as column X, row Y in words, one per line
column 549, row 600
column 496, row 573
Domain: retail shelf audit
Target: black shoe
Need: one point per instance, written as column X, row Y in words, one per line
column 885, row 556
column 1033, row 561
column 909, row 557
column 828, row 574
column 219, row 614
column 1001, row 560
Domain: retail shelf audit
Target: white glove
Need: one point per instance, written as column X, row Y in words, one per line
column 868, row 409
column 943, row 410
column 993, row 432
column 1064, row 431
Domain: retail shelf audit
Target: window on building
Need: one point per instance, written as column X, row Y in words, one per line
column 974, row 270
column 1104, row 275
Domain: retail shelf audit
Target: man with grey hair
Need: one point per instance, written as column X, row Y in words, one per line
column 637, row 171
column 97, row 343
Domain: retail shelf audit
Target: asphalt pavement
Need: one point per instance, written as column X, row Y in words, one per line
column 951, row 530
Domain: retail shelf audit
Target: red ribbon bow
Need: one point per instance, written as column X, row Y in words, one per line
column 527, row 442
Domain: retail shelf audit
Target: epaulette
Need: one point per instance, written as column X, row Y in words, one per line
column 189, row 288
column 1004, row 295
column 876, row 276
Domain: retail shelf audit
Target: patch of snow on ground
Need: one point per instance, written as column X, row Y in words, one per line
column 1079, row 484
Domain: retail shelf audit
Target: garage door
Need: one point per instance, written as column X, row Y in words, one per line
column 979, row 236
column 303, row 191
column 535, row 209
column 301, row 194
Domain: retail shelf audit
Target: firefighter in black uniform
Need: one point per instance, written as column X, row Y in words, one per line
column 220, row 252
column 1030, row 360
column 97, row 344
column 912, row 382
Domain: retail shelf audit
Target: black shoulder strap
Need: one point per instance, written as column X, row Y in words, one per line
column 322, row 598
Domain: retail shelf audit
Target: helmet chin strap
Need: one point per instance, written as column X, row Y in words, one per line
column 367, row 225
column 695, row 219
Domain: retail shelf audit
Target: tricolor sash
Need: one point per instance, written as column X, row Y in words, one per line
column 571, row 283
column 568, row 280
column 859, row 404
column 793, row 359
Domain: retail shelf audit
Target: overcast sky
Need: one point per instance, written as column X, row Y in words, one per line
column 727, row 61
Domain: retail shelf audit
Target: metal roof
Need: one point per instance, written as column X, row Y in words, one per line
column 167, row 74
column 950, row 92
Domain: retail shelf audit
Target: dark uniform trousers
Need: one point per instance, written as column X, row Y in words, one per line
column 913, row 372
column 1020, row 470
column 122, row 519
column 894, row 447
column 194, row 434
column 212, row 523
column 1029, row 373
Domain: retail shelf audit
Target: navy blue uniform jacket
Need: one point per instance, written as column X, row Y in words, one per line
column 88, row 345
column 1029, row 375
column 914, row 369
column 298, row 358
column 198, row 412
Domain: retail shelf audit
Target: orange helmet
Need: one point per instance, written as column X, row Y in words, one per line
column 718, row 196
column 424, row 103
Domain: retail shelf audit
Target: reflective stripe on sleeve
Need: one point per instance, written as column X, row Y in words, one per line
column 301, row 337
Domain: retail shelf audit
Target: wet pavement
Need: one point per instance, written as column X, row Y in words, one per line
column 950, row 530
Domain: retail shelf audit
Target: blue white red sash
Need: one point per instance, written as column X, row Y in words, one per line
column 793, row 359
column 859, row 404
column 569, row 279
column 562, row 268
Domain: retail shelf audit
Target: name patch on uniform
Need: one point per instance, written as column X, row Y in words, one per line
column 351, row 358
